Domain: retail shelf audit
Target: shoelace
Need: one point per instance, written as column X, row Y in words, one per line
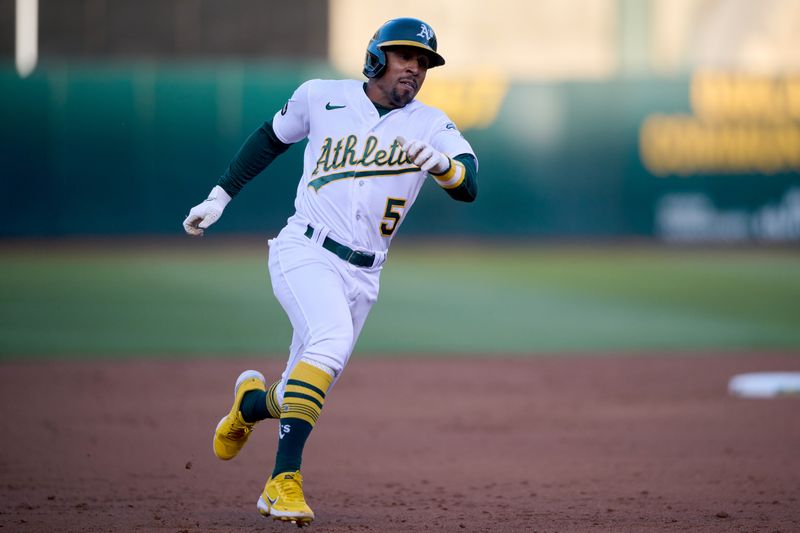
column 292, row 489
column 238, row 431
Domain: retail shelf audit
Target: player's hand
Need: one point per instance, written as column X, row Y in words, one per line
column 203, row 215
column 425, row 156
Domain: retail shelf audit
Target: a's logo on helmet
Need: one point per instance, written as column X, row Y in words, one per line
column 425, row 32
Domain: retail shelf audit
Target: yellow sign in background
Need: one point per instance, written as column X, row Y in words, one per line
column 742, row 123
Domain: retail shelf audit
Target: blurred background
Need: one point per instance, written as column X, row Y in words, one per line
column 639, row 174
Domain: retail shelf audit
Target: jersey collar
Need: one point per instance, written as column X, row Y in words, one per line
column 382, row 110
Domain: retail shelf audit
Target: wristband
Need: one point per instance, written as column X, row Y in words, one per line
column 453, row 177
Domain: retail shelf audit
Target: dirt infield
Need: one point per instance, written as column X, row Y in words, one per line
column 409, row 444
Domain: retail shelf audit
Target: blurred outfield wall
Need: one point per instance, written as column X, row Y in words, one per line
column 104, row 149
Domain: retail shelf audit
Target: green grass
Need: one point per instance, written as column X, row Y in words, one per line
column 211, row 299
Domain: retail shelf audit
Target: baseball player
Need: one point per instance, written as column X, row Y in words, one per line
column 370, row 147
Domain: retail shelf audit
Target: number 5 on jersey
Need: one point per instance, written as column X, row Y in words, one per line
column 391, row 217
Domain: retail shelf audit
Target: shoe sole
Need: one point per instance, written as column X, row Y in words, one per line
column 244, row 376
column 266, row 511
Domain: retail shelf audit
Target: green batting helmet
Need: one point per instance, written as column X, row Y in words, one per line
column 399, row 32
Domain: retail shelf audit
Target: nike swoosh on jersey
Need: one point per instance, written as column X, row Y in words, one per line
column 330, row 107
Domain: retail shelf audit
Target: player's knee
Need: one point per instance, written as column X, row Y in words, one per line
column 331, row 350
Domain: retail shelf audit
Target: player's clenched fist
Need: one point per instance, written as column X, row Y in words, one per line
column 203, row 215
column 425, row 156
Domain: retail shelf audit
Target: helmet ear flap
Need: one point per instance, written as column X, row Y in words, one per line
column 374, row 62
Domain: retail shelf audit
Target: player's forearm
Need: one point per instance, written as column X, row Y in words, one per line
column 258, row 151
column 467, row 190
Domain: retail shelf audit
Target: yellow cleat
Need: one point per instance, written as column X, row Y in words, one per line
column 232, row 431
column 283, row 499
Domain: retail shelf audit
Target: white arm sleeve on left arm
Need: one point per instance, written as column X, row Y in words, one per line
column 448, row 140
column 291, row 123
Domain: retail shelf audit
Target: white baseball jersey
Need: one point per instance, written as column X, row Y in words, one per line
column 356, row 180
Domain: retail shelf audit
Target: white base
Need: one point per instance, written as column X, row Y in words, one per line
column 765, row 384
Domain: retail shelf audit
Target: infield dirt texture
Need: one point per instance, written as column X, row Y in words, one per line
column 409, row 444
column 495, row 388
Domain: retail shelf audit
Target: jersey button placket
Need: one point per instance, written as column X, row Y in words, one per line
column 357, row 200
column 360, row 195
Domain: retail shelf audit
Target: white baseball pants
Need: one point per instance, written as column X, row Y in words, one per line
column 326, row 299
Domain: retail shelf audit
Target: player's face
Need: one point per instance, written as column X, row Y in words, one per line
column 406, row 67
